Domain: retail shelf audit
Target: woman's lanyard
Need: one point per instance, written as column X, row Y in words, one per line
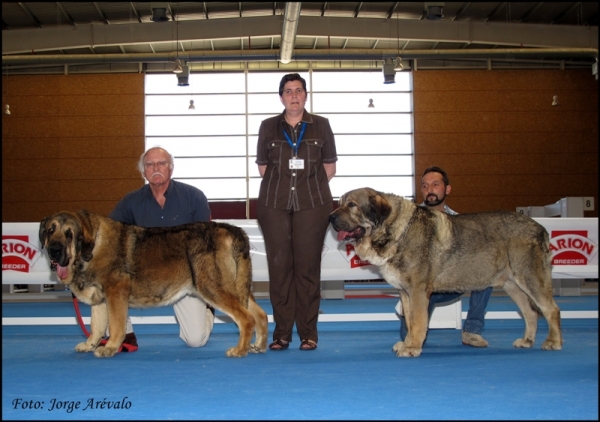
column 296, row 145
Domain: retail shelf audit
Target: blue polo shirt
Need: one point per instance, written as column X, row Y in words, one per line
column 183, row 204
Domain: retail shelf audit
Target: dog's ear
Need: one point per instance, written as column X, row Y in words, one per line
column 85, row 238
column 43, row 232
column 379, row 208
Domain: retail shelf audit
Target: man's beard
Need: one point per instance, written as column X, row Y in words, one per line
column 435, row 202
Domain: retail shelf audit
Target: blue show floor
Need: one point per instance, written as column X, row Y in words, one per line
column 353, row 374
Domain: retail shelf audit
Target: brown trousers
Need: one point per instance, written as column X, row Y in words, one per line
column 293, row 242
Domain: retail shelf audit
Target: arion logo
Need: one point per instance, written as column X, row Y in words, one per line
column 348, row 252
column 18, row 254
column 571, row 247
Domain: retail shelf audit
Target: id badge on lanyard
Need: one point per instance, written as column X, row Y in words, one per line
column 296, row 163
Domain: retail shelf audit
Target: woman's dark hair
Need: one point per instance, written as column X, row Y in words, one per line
column 440, row 171
column 291, row 77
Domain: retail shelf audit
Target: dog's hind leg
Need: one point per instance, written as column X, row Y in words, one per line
column 261, row 327
column 99, row 322
column 530, row 315
column 534, row 277
column 551, row 312
column 243, row 283
column 540, row 293
column 243, row 319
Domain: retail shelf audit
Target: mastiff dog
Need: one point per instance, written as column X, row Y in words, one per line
column 112, row 266
column 420, row 251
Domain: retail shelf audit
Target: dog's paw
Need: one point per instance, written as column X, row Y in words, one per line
column 235, row 352
column 403, row 351
column 84, row 347
column 523, row 343
column 105, row 352
column 255, row 348
column 551, row 345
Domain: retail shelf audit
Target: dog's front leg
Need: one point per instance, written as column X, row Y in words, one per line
column 117, row 304
column 99, row 322
column 416, row 317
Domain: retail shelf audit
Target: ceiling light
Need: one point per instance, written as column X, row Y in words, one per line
column 159, row 15
column 178, row 68
column 398, row 66
column 389, row 74
column 183, row 77
column 371, row 105
column 434, row 10
column 159, row 11
column 192, row 106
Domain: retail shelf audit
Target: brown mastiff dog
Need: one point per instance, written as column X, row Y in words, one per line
column 112, row 266
column 420, row 251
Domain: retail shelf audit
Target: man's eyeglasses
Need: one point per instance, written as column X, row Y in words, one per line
column 150, row 165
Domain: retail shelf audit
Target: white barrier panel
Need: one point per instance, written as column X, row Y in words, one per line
column 574, row 244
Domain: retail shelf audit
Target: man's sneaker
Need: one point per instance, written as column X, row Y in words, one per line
column 475, row 340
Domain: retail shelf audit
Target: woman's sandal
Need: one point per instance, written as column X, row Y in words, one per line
column 279, row 345
column 308, row 345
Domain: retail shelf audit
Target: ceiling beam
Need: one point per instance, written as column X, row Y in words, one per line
column 461, row 31
column 461, row 11
column 566, row 12
column 530, row 12
column 101, row 13
column 30, row 14
column 357, row 10
column 135, row 11
column 390, row 12
column 66, row 13
column 302, row 55
column 18, row 41
column 496, row 10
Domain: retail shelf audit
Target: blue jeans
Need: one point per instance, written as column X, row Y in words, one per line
column 475, row 317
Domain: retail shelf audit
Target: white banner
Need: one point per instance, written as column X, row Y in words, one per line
column 573, row 241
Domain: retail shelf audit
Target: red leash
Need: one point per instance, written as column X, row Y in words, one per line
column 125, row 347
column 78, row 315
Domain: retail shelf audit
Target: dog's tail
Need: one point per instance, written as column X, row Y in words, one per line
column 241, row 254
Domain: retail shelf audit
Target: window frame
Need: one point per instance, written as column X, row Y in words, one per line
column 247, row 123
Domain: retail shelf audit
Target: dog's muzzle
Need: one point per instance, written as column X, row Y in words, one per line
column 347, row 234
column 57, row 256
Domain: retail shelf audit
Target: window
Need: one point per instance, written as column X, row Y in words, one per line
column 214, row 145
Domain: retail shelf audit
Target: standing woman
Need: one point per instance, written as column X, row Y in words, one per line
column 296, row 159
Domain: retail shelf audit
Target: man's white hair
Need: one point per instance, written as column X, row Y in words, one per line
column 143, row 157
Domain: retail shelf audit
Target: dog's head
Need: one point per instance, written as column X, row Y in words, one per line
column 68, row 238
column 359, row 213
